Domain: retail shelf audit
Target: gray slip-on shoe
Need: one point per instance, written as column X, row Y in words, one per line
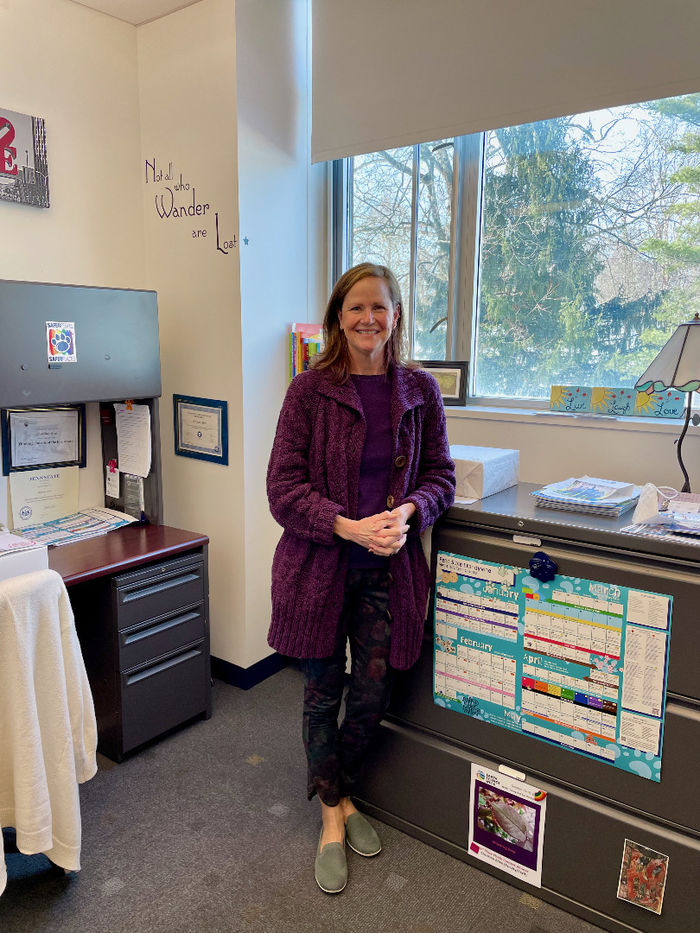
column 361, row 837
column 331, row 867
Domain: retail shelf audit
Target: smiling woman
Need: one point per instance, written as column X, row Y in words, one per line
column 364, row 317
column 367, row 319
column 359, row 468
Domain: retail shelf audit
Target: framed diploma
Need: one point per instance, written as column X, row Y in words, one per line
column 201, row 428
column 38, row 438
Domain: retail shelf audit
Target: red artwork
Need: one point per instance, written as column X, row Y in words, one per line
column 642, row 876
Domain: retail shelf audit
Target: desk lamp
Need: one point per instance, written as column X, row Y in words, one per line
column 677, row 366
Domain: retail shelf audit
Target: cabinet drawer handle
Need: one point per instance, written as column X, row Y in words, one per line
column 161, row 627
column 163, row 666
column 159, row 587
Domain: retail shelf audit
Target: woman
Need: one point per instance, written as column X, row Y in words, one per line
column 359, row 468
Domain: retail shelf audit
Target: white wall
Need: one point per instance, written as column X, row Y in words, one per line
column 554, row 447
column 76, row 69
column 282, row 279
column 114, row 97
column 187, row 82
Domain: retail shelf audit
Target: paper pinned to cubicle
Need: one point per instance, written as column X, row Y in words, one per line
column 133, row 438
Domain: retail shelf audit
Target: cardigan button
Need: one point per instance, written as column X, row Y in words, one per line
column 400, row 462
column 390, row 502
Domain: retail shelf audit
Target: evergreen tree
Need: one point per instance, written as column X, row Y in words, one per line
column 538, row 264
column 681, row 250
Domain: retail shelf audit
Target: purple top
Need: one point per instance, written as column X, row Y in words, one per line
column 375, row 465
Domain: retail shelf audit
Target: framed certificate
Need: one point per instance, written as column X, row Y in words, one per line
column 38, row 438
column 201, row 428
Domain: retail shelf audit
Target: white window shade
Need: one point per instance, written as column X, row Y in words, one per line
column 390, row 73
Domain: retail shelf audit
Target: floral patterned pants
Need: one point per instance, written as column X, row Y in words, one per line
column 335, row 754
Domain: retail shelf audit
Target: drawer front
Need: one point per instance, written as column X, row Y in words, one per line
column 425, row 783
column 160, row 636
column 672, row 799
column 163, row 695
column 163, row 588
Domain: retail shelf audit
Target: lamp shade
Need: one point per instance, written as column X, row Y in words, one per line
column 677, row 365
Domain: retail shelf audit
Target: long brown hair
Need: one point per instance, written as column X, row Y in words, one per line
column 335, row 356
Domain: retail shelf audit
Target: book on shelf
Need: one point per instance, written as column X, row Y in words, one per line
column 305, row 341
column 590, row 495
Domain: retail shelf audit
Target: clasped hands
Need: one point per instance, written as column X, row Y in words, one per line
column 383, row 534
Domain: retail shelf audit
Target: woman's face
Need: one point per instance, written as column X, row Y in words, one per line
column 367, row 318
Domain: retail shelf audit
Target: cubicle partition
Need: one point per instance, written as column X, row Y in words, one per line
column 140, row 595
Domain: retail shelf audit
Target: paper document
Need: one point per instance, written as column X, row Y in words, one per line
column 76, row 527
column 593, row 490
column 42, row 495
column 10, row 544
column 507, row 824
column 133, row 438
column 200, row 428
column 42, row 437
column 134, row 501
column 111, row 483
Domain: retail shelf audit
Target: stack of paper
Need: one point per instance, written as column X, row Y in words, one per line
column 589, row 494
column 677, row 518
column 11, row 544
column 20, row 555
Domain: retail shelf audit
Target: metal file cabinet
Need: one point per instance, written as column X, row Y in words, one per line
column 145, row 639
column 419, row 774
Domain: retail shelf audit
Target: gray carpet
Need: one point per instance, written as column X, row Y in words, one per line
column 210, row 830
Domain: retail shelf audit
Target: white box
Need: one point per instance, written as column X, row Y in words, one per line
column 482, row 471
column 17, row 558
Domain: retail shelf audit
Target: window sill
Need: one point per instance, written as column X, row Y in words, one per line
column 563, row 419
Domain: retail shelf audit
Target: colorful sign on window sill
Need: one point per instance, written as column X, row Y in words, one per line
column 600, row 400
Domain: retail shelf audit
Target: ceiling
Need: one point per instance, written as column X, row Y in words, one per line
column 137, row 12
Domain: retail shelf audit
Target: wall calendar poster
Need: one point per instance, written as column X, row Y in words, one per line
column 574, row 662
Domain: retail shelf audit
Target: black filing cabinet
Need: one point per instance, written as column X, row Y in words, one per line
column 419, row 775
column 145, row 640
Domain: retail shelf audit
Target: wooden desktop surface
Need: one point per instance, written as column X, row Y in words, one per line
column 120, row 550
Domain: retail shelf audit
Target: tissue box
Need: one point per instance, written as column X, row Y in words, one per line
column 482, row 471
column 17, row 558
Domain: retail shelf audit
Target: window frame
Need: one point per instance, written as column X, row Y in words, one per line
column 465, row 228
column 464, row 266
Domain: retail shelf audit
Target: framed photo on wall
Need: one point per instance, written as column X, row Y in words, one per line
column 201, row 428
column 451, row 376
column 39, row 438
column 24, row 168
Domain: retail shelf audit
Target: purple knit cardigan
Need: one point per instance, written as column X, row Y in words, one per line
column 313, row 475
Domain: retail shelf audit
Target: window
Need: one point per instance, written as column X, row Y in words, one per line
column 559, row 252
column 401, row 210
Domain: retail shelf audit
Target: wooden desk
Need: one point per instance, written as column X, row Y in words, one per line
column 140, row 596
column 121, row 550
